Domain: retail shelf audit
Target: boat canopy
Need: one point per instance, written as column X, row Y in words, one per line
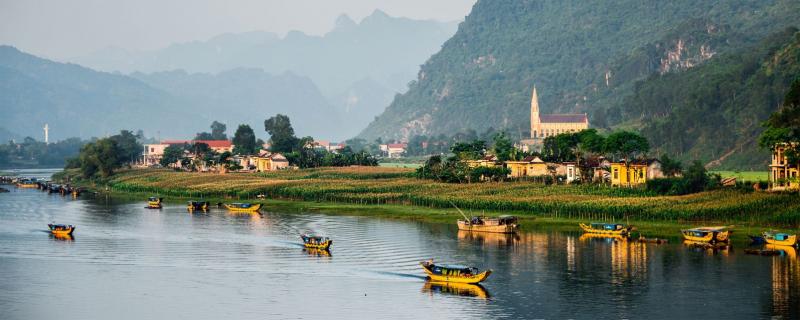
column 606, row 226
column 708, row 229
column 153, row 199
column 442, row 269
column 242, row 205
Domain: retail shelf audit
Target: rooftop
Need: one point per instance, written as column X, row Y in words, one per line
column 564, row 118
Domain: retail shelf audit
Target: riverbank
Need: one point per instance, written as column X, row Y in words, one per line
column 393, row 192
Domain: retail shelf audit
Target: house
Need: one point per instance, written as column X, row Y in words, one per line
column 782, row 174
column 531, row 166
column 394, row 150
column 270, row 162
column 152, row 154
column 631, row 174
column 486, row 161
column 654, row 169
column 573, row 171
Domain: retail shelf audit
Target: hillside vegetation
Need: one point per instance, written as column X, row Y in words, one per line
column 585, row 56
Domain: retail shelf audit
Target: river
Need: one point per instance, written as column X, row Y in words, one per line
column 128, row 262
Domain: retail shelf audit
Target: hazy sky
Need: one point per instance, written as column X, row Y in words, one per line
column 61, row 29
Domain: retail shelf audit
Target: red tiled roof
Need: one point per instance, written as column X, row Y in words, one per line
column 210, row 143
column 396, row 145
column 564, row 118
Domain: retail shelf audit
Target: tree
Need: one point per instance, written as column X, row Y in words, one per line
column 244, row 140
column 282, row 138
column 101, row 156
column 627, row 145
column 783, row 126
column 502, row 147
column 129, row 147
column 469, row 150
column 172, row 154
column 217, row 132
column 670, row 167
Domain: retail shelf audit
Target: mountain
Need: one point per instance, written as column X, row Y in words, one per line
column 77, row 101
column 583, row 56
column 713, row 112
column 380, row 52
column 247, row 95
column 73, row 100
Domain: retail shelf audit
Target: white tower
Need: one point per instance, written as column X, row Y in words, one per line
column 46, row 133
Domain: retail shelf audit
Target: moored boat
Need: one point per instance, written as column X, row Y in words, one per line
column 707, row 234
column 243, row 207
column 614, row 229
column 198, row 206
column 27, row 183
column 780, row 239
column 61, row 229
column 154, row 203
column 316, row 242
column 501, row 224
column 454, row 273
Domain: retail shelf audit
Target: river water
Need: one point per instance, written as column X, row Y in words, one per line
column 128, row 262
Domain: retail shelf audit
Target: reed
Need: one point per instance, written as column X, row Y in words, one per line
column 380, row 185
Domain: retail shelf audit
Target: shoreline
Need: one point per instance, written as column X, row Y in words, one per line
column 669, row 230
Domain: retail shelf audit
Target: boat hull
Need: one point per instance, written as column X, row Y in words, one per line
column 710, row 237
column 790, row 241
column 621, row 232
column 455, row 278
column 503, row 228
column 27, row 185
column 319, row 246
column 253, row 208
column 63, row 232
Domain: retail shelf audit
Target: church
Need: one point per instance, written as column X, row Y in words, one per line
column 543, row 126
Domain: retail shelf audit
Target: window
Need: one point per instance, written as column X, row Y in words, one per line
column 616, row 173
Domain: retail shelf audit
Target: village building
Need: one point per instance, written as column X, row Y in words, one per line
column 782, row 174
column 270, row 162
column 573, row 171
column 218, row 146
column 630, row 174
column 394, row 150
column 152, row 154
column 489, row 161
column 531, row 166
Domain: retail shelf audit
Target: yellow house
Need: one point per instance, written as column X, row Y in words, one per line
column 529, row 167
column 271, row 162
column 782, row 174
column 634, row 174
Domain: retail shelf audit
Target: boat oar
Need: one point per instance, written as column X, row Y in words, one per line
column 459, row 211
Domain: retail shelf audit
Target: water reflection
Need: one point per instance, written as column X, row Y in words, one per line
column 709, row 248
column 785, row 281
column 62, row 237
column 489, row 238
column 458, row 289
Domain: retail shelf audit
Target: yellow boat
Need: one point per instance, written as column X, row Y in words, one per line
column 454, row 273
column 781, row 239
column 455, row 288
column 243, row 207
column 502, row 224
column 707, row 234
column 29, row 184
column 154, row 203
column 61, row 229
column 316, row 242
column 612, row 229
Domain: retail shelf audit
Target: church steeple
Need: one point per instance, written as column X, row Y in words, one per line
column 536, row 130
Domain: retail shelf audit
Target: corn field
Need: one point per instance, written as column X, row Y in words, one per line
column 380, row 185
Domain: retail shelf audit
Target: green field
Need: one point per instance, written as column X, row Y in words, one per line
column 745, row 175
column 373, row 186
column 400, row 165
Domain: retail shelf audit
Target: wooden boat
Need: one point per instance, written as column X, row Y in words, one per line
column 31, row 184
column 61, row 229
column 607, row 228
column 316, row 242
column 501, row 224
column 198, row 206
column 154, row 203
column 243, row 207
column 707, row 234
column 454, row 273
column 756, row 239
column 456, row 288
column 781, row 239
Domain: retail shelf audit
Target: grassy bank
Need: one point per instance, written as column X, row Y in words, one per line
column 751, row 176
column 370, row 186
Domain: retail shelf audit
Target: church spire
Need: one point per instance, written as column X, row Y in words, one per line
column 536, row 130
